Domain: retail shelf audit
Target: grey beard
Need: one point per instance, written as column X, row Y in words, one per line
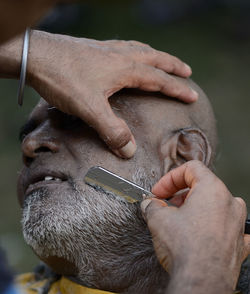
column 104, row 237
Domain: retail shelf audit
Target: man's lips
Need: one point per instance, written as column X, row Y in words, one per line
column 42, row 179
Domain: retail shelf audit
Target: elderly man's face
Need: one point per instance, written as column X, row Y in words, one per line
column 58, row 148
column 65, row 218
column 75, row 229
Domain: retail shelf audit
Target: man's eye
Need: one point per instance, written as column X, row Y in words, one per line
column 66, row 121
column 71, row 122
column 63, row 120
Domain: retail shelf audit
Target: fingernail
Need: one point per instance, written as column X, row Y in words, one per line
column 195, row 95
column 188, row 69
column 127, row 151
column 145, row 204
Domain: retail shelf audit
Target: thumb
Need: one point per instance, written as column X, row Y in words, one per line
column 150, row 206
column 113, row 130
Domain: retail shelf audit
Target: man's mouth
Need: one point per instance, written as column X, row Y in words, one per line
column 44, row 180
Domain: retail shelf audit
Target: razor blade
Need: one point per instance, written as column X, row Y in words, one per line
column 100, row 177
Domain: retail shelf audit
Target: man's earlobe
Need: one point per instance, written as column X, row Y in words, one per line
column 185, row 145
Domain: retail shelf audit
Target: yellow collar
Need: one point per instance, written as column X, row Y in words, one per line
column 29, row 285
column 69, row 287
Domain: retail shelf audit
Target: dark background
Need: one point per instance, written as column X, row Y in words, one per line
column 214, row 38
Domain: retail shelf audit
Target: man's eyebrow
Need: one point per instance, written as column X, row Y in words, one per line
column 28, row 127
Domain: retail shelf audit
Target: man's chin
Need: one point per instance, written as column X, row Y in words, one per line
column 80, row 226
column 44, row 220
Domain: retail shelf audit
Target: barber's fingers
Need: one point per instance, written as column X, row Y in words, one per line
column 113, row 130
column 179, row 198
column 149, row 78
column 144, row 53
column 152, row 206
column 180, row 178
column 166, row 62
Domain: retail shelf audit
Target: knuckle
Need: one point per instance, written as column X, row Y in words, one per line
column 118, row 137
column 121, row 42
column 117, row 44
column 110, row 42
column 157, row 76
column 239, row 210
column 137, row 43
column 133, row 67
column 241, row 204
column 198, row 168
column 146, row 45
column 176, row 60
column 178, row 87
column 133, row 43
column 195, row 164
column 175, row 90
column 224, row 196
column 116, row 56
column 172, row 64
column 171, row 67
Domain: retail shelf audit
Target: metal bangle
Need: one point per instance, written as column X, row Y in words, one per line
column 23, row 66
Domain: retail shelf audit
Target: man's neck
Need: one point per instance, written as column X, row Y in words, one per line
column 138, row 278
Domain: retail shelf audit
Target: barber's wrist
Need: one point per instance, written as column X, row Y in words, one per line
column 197, row 275
column 36, row 56
column 45, row 50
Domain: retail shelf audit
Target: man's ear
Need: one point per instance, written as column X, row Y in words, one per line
column 185, row 145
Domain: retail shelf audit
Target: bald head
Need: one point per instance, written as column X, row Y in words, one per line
column 157, row 120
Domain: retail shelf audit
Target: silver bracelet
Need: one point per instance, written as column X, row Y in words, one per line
column 23, row 66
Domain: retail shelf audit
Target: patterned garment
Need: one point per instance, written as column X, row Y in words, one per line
column 28, row 284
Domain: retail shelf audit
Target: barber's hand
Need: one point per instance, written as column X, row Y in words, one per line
column 204, row 237
column 79, row 75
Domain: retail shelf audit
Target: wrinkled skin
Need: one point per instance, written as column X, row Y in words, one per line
column 78, row 75
column 66, row 148
column 87, row 72
column 212, row 240
column 68, row 224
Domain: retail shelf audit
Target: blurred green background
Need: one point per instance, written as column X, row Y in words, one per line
column 214, row 38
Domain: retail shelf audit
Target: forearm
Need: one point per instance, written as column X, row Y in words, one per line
column 11, row 55
column 10, row 58
column 202, row 279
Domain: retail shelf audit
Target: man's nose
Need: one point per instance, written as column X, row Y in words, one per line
column 36, row 143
